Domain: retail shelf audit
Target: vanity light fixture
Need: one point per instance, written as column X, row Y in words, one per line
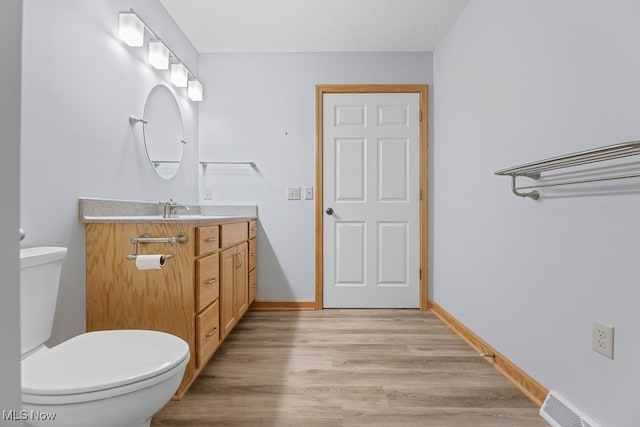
column 158, row 55
column 179, row 75
column 131, row 30
column 194, row 90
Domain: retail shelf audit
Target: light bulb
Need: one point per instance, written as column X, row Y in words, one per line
column 131, row 29
column 158, row 55
column 179, row 75
column 194, row 90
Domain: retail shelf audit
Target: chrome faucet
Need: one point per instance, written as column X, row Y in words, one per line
column 169, row 208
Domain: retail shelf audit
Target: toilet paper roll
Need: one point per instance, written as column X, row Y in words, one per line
column 149, row 262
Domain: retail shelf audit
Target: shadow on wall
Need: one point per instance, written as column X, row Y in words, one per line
column 270, row 273
column 70, row 312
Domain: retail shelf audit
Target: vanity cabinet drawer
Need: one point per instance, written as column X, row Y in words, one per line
column 207, row 281
column 207, row 333
column 253, row 285
column 233, row 233
column 253, row 254
column 207, row 239
column 253, row 228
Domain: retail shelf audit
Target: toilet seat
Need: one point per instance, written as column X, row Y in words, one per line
column 101, row 364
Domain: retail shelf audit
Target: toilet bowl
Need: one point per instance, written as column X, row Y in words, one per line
column 114, row 378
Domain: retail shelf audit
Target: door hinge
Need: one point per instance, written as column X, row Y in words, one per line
column 420, row 194
column 420, row 274
column 420, row 115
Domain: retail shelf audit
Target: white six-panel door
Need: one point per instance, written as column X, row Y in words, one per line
column 371, row 158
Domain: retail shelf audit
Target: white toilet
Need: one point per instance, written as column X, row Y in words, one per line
column 118, row 378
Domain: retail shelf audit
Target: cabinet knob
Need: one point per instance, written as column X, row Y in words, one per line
column 329, row 211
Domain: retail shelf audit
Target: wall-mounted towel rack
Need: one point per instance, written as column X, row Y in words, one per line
column 145, row 238
column 157, row 163
column 533, row 170
column 252, row 164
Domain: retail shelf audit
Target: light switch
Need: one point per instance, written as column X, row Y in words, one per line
column 293, row 193
column 308, row 193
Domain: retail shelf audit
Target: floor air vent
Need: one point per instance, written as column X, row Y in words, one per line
column 560, row 413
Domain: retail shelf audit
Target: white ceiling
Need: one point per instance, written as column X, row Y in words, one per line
column 314, row 25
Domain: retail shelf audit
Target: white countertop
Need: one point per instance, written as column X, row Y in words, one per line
column 160, row 219
column 114, row 211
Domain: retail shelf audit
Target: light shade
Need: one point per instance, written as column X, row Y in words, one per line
column 131, row 29
column 194, row 90
column 158, row 55
column 179, row 75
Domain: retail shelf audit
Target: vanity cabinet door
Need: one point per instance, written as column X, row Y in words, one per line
column 227, row 277
column 241, row 285
column 234, row 286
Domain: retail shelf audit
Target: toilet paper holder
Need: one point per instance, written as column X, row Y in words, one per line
column 144, row 239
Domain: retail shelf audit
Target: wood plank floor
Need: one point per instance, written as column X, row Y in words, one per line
column 348, row 368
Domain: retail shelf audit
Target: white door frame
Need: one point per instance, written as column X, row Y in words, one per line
column 422, row 90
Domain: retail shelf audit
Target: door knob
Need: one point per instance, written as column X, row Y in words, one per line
column 329, row 211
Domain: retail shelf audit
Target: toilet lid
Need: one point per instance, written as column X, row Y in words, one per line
column 101, row 360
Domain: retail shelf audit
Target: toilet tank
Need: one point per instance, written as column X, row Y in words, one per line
column 39, row 282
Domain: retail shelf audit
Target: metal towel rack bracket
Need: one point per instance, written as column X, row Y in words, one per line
column 133, row 120
column 534, row 170
column 144, row 239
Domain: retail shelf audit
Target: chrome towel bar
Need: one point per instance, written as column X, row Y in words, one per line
column 181, row 238
column 252, row 164
column 533, row 170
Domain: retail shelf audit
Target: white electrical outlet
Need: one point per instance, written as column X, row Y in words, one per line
column 602, row 339
column 208, row 193
column 293, row 193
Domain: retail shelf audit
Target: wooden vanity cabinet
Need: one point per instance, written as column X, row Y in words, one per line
column 199, row 295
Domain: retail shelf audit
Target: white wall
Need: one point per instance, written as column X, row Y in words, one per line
column 261, row 107
column 10, row 42
column 80, row 84
column 518, row 81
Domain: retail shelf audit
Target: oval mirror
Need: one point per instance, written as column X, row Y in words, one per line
column 163, row 131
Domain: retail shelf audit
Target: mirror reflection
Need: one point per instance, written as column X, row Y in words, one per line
column 163, row 131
